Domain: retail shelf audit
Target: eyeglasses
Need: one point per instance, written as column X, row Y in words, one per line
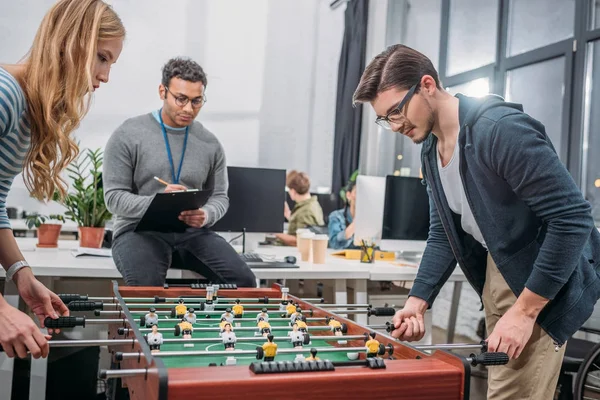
column 385, row 122
column 182, row 101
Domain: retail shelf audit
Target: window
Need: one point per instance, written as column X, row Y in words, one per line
column 472, row 35
column 475, row 88
column 591, row 131
column 536, row 23
column 540, row 88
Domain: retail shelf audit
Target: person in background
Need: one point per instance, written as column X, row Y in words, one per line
column 306, row 213
column 42, row 101
column 341, row 222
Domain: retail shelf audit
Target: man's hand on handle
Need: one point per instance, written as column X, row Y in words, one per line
column 409, row 322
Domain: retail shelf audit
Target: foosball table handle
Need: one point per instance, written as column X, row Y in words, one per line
column 64, row 322
column 489, row 359
column 82, row 305
column 67, row 298
column 382, row 312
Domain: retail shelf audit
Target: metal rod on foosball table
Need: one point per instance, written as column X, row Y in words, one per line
column 125, row 356
column 344, row 305
column 243, row 328
column 122, row 373
column 220, row 306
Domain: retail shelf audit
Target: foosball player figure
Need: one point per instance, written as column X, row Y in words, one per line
column 222, row 324
column 209, row 305
column 151, row 318
column 154, row 339
column 290, row 309
column 190, row 316
column 313, row 355
column 296, row 315
column 302, row 327
column 263, row 314
column 296, row 337
column 180, row 309
column 269, row 348
column 215, row 296
column 284, row 299
column 264, row 327
column 228, row 337
column 372, row 346
column 335, row 325
column 238, row 309
column 227, row 315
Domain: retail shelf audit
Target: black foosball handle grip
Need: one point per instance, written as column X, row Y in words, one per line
column 64, row 322
column 79, row 305
column 382, row 312
column 67, row 298
column 489, row 359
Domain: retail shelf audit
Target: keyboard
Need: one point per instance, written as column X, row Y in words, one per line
column 251, row 257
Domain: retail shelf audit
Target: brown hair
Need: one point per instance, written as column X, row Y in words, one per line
column 399, row 67
column 298, row 181
column 58, row 83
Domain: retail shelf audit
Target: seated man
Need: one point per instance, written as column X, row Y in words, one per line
column 169, row 144
column 306, row 213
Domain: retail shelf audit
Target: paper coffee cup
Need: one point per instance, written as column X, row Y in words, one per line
column 305, row 245
column 319, row 248
column 299, row 233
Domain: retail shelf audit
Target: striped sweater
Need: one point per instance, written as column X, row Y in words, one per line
column 14, row 137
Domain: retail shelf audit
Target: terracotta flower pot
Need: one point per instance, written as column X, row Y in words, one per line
column 91, row 237
column 48, row 235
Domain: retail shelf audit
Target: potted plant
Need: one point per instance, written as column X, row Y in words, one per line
column 47, row 232
column 85, row 201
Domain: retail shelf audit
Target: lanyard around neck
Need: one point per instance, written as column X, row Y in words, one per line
column 164, row 131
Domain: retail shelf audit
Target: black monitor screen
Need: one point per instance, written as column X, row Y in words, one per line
column 406, row 210
column 256, row 197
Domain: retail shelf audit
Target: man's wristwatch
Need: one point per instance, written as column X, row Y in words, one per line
column 16, row 267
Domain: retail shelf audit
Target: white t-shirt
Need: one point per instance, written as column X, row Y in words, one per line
column 154, row 338
column 455, row 194
column 228, row 337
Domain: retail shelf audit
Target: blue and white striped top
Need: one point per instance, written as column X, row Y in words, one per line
column 15, row 137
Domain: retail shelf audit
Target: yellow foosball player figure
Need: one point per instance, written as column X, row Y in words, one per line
column 228, row 337
column 264, row 328
column 222, row 324
column 238, row 309
column 302, row 327
column 335, row 325
column 180, row 309
column 313, row 355
column 227, row 315
column 154, row 339
column 190, row 316
column 263, row 314
column 372, row 346
column 269, row 348
column 290, row 309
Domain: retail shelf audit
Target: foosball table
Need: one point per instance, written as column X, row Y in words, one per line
column 222, row 342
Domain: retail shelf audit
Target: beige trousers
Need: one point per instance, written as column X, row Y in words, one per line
column 532, row 376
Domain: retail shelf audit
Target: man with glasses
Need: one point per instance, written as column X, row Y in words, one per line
column 502, row 206
column 169, row 144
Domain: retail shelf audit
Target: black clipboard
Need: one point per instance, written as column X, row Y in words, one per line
column 163, row 213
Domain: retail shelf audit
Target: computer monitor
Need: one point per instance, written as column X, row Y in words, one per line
column 405, row 214
column 256, row 197
column 370, row 199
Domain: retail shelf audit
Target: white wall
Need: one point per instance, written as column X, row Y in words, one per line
column 271, row 66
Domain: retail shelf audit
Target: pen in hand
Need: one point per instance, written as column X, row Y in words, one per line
column 171, row 187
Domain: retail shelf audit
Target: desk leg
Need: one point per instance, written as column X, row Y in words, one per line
column 453, row 311
column 341, row 293
column 11, row 295
column 360, row 297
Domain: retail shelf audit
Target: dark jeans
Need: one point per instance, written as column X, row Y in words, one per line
column 144, row 258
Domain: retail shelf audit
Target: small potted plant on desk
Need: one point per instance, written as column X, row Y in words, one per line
column 48, row 228
column 85, row 202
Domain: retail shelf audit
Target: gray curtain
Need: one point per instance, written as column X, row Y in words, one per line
column 348, row 118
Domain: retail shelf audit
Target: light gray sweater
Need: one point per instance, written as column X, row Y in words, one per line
column 136, row 153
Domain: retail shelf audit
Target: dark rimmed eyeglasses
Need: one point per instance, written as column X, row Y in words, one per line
column 182, row 101
column 385, row 122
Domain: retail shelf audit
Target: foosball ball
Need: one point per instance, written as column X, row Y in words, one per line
column 229, row 343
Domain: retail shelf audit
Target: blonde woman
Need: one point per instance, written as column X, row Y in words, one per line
column 42, row 101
